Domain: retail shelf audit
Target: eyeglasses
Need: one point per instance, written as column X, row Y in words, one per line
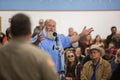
column 70, row 56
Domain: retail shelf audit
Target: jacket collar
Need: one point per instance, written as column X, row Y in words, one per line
column 100, row 62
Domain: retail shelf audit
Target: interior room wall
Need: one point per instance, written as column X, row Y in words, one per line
column 101, row 21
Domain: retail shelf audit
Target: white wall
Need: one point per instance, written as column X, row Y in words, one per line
column 101, row 21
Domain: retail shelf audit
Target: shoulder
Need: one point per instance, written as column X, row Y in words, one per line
column 34, row 49
column 105, row 62
column 109, row 36
column 35, row 53
column 61, row 36
column 88, row 63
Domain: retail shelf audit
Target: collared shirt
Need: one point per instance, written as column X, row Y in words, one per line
column 47, row 45
column 94, row 71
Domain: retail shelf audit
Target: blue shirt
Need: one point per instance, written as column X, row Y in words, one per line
column 47, row 45
column 94, row 71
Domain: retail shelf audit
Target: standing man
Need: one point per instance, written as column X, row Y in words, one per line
column 70, row 31
column 63, row 42
column 113, row 32
column 21, row 61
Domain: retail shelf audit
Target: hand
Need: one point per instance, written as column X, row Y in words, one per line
column 81, row 36
column 40, row 37
column 87, row 31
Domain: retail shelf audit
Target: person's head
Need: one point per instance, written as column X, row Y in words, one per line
column 98, row 38
column 88, row 39
column 41, row 24
column 111, row 45
column 50, row 25
column 8, row 33
column 50, row 28
column 78, row 51
column 70, row 31
column 75, row 33
column 113, row 29
column 71, row 56
column 108, row 53
column 66, row 52
column 96, row 52
column 20, row 26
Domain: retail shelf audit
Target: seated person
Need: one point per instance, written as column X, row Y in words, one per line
column 97, row 68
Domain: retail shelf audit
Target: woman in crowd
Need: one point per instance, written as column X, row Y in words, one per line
column 66, row 52
column 98, row 41
column 72, row 67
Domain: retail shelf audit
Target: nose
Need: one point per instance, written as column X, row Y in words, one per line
column 50, row 29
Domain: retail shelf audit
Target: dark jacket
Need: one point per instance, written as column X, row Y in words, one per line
column 114, row 65
column 116, row 73
column 109, row 39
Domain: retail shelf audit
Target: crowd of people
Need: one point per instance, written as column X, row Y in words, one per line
column 94, row 59
column 74, row 57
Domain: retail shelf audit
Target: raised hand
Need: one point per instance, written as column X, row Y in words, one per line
column 82, row 35
column 86, row 31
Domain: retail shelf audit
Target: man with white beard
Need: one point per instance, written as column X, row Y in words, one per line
column 46, row 41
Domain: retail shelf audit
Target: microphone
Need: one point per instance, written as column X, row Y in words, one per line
column 56, row 38
column 57, row 46
column 55, row 34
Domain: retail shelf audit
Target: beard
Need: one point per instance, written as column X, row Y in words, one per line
column 48, row 34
